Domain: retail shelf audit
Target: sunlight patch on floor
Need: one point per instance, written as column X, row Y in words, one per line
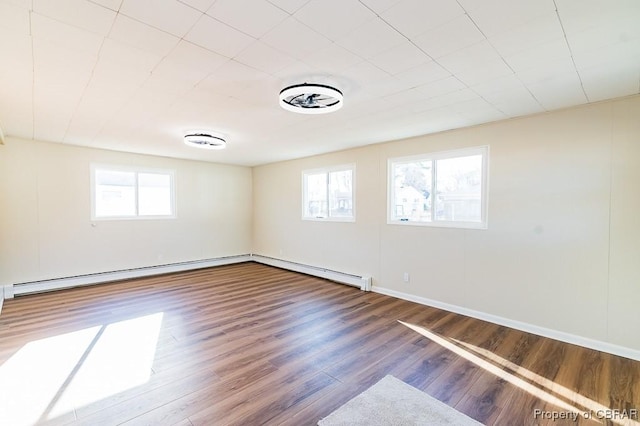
column 50, row 377
column 541, row 387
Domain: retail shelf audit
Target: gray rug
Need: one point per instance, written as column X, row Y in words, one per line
column 393, row 402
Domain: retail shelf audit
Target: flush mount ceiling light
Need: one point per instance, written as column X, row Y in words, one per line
column 204, row 140
column 311, row 98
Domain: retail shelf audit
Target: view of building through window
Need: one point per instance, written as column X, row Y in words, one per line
column 439, row 188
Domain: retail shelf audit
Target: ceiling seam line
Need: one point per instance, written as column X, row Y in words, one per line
column 573, row 61
column 438, row 63
column 416, row 46
column 515, row 74
column 90, row 79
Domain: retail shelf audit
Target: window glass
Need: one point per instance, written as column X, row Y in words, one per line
column 119, row 193
column 459, row 182
column 328, row 194
column 439, row 189
column 154, row 194
column 412, row 190
column 341, row 193
column 115, row 193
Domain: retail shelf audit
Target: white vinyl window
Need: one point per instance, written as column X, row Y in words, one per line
column 446, row 189
column 127, row 193
column 327, row 194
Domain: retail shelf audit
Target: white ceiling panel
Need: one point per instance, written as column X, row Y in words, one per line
column 603, row 82
column 547, row 71
column 230, row 79
column 414, row 17
column 377, row 89
column 447, row 38
column 476, row 64
column 299, row 71
column 625, row 54
column 253, row 17
column 15, row 20
column 584, row 15
column 264, row 58
column 334, row 18
column 109, row 4
column 289, row 6
column 167, row 15
column 122, row 61
column 218, row 37
column 188, row 64
column 24, row 4
column 423, row 74
column 201, row 5
column 623, row 30
column 537, row 32
column 379, row 6
column 142, row 36
column 371, row 38
column 65, row 35
column 332, row 59
column 447, row 99
column 79, row 13
column 365, row 73
column 13, row 120
column 19, row 49
column 559, row 91
column 400, row 58
column 511, row 97
column 295, row 38
column 442, row 87
column 476, row 111
column 497, row 16
column 550, row 52
column 134, row 75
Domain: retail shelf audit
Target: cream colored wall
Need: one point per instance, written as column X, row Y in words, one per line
column 561, row 251
column 45, row 219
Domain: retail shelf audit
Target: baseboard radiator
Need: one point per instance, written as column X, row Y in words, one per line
column 82, row 280
column 362, row 282
column 11, row 290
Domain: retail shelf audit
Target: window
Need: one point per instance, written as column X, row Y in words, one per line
column 439, row 189
column 328, row 194
column 125, row 193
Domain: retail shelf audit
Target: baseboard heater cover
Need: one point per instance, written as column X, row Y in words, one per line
column 362, row 282
column 81, row 280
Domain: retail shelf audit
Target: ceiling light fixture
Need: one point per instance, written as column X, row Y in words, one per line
column 309, row 98
column 206, row 141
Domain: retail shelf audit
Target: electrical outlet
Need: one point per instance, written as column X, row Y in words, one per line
column 405, row 277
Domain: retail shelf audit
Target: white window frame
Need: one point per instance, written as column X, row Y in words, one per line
column 137, row 170
column 434, row 157
column 328, row 170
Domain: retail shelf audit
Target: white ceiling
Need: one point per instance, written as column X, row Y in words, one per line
column 135, row 75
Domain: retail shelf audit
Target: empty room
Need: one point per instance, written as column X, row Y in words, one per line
column 333, row 212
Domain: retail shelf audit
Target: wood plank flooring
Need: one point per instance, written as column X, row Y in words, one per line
column 249, row 344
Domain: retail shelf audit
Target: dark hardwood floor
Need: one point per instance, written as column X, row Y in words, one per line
column 249, row 344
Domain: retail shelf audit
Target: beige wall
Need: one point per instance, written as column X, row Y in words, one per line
column 45, row 216
column 562, row 250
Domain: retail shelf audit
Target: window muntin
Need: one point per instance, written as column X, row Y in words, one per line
column 126, row 193
column 328, row 194
column 439, row 189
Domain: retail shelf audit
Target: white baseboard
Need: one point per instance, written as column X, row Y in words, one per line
column 61, row 283
column 362, row 282
column 518, row 325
